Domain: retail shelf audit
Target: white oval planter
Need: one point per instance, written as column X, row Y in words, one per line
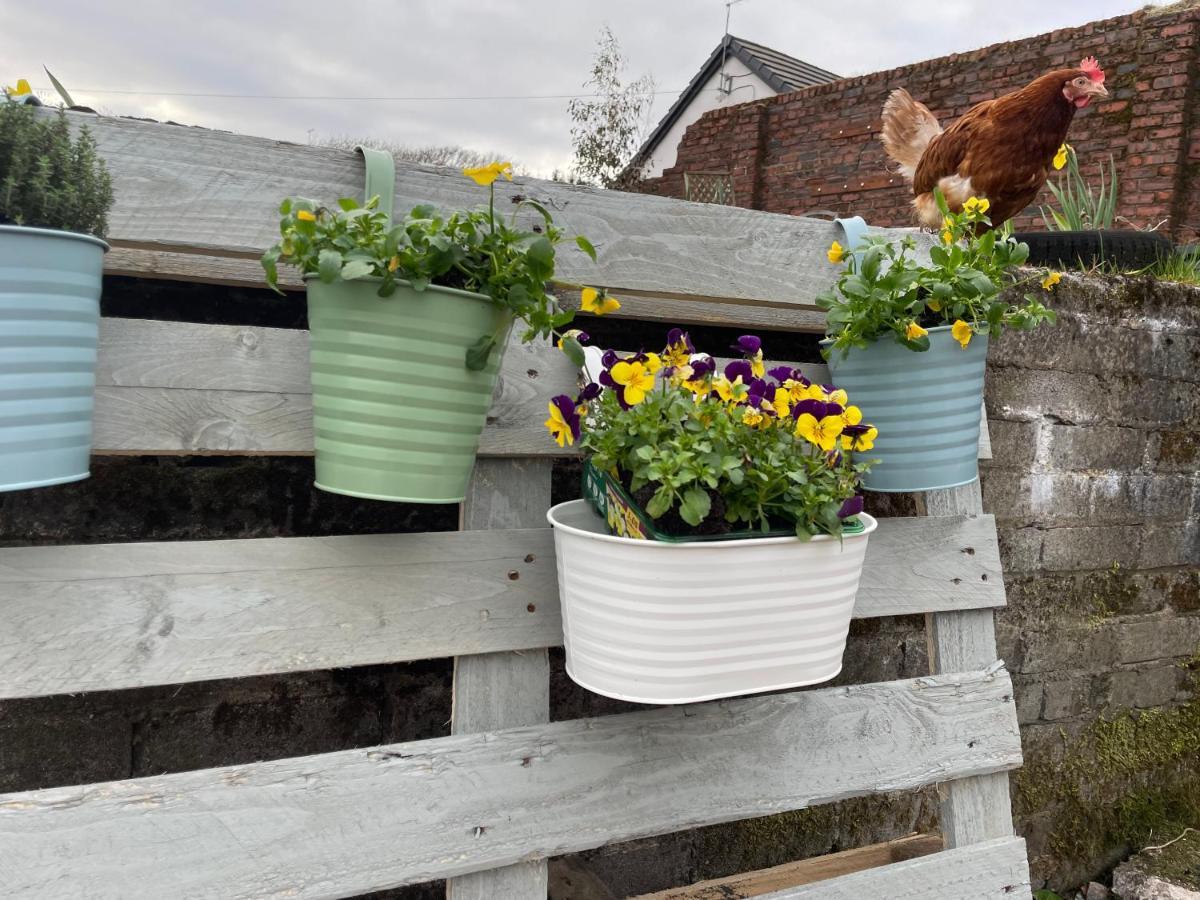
column 654, row 622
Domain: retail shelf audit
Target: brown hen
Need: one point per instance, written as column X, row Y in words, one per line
column 1000, row 149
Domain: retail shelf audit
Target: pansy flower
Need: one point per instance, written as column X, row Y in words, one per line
column 679, row 348
column 739, row 368
column 485, row 175
column 852, row 507
column 859, row 437
column 962, row 333
column 823, row 431
column 750, row 347
column 563, row 423
column 581, row 336
column 597, row 303
column 914, row 331
column 734, row 391
column 1051, row 280
column 635, row 378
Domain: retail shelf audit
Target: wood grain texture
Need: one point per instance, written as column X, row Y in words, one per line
column 113, row 616
column 805, row 871
column 980, row 808
column 370, row 819
column 193, row 189
column 174, row 387
column 995, row 870
column 503, row 690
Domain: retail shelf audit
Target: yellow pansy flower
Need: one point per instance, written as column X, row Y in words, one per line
column 652, row 362
column 962, row 333
column 305, row 216
column 782, row 403
column 984, row 204
column 947, row 222
column 934, row 304
column 1060, row 158
column 851, row 415
column 591, row 300
column 914, row 331
column 485, row 175
column 836, row 252
column 752, row 417
column 838, row 396
column 21, row 90
column 559, row 427
column 971, row 204
column 864, row 441
column 824, row 433
column 947, row 236
column 636, row 380
column 1051, row 280
column 730, row 391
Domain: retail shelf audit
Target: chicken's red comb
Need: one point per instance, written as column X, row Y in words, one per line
column 1092, row 68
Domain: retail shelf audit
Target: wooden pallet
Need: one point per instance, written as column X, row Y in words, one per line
column 488, row 805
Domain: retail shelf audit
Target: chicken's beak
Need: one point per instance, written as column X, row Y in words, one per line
column 1097, row 90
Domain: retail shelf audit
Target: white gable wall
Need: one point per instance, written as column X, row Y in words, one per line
column 746, row 87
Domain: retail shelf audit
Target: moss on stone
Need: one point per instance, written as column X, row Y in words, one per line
column 1119, row 784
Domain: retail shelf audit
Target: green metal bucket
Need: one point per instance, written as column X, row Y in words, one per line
column 49, row 331
column 925, row 405
column 396, row 413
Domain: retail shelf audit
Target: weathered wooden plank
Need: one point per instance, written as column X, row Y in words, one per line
column 994, row 870
column 237, row 272
column 179, row 188
column 185, row 388
column 371, row 819
column 174, row 387
column 979, row 808
column 503, row 690
column 112, row 616
column 805, row 871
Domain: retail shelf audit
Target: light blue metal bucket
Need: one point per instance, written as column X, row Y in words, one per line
column 925, row 405
column 49, row 331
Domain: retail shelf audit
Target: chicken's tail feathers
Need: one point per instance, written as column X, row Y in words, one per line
column 908, row 127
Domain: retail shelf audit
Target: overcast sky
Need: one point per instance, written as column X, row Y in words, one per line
column 163, row 52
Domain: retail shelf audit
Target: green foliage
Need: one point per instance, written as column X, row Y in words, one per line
column 695, row 438
column 48, row 179
column 607, row 128
column 1182, row 265
column 1079, row 207
column 885, row 291
column 477, row 251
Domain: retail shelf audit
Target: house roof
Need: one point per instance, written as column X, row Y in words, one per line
column 781, row 72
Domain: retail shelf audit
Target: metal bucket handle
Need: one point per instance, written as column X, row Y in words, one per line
column 380, row 179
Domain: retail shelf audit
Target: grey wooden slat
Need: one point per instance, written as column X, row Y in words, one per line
column 173, row 387
column 993, row 870
column 184, row 388
column 179, row 188
column 236, row 272
column 503, row 690
column 112, row 616
column 374, row 818
column 978, row 808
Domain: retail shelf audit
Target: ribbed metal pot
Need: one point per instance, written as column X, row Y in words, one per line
column 653, row 622
column 925, row 405
column 49, row 331
column 396, row 413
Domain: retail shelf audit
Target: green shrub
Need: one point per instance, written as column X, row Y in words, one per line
column 47, row 179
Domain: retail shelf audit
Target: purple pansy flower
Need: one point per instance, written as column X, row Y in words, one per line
column 703, row 366
column 566, row 406
column 747, row 344
column 739, row 367
column 609, row 359
column 851, row 507
column 590, row 392
column 855, row 430
column 679, row 336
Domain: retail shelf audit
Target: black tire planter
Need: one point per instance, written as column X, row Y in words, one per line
column 1085, row 249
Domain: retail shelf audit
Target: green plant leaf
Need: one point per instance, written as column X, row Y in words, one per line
column 329, row 265
column 695, row 505
column 356, row 268
column 659, row 503
column 478, row 353
column 586, row 246
column 62, row 91
column 574, row 351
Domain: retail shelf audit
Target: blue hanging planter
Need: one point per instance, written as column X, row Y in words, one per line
column 49, row 332
column 925, row 405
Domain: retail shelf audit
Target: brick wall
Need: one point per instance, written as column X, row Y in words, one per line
column 818, row 148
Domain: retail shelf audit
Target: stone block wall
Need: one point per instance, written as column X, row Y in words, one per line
column 818, row 148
